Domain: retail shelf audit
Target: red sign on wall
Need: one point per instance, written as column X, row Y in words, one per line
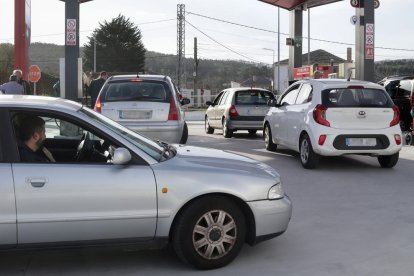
column 307, row 72
column 302, row 72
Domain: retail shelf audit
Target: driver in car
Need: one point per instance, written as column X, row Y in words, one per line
column 32, row 136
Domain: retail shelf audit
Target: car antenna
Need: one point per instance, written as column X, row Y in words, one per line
column 350, row 73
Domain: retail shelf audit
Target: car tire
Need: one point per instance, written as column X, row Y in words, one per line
column 308, row 157
column 267, row 135
column 207, row 127
column 388, row 161
column 209, row 233
column 252, row 131
column 227, row 133
column 184, row 137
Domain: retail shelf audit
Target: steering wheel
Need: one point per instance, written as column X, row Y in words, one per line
column 85, row 148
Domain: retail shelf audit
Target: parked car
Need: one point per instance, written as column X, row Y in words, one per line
column 401, row 89
column 335, row 117
column 236, row 109
column 147, row 104
column 109, row 185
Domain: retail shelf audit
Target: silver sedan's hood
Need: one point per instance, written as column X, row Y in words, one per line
column 219, row 160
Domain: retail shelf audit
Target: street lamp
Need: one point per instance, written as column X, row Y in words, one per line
column 273, row 67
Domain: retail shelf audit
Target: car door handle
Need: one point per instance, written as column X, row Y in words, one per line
column 37, row 182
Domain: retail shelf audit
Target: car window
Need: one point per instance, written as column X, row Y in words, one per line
column 229, row 98
column 305, row 94
column 148, row 146
column 218, row 98
column 356, row 97
column 290, row 97
column 136, row 90
column 224, row 98
column 253, row 97
column 61, row 142
column 404, row 91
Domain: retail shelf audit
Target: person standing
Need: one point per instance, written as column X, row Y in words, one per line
column 21, row 81
column 12, row 87
column 95, row 86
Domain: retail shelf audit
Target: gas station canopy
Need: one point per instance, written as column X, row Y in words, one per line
column 292, row 4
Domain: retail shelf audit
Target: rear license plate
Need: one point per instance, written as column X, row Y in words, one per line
column 135, row 114
column 361, row 142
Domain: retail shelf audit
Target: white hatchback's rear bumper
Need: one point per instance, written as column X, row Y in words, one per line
column 330, row 146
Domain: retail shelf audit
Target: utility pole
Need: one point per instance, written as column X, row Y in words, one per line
column 273, row 69
column 180, row 43
column 196, row 96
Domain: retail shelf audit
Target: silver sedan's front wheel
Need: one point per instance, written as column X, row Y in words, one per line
column 214, row 234
column 209, row 233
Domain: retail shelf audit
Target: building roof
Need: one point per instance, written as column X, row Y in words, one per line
column 318, row 56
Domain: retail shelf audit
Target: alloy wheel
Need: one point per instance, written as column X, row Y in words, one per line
column 214, row 234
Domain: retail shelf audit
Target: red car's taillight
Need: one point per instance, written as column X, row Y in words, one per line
column 233, row 112
column 396, row 118
column 98, row 105
column 319, row 114
column 172, row 114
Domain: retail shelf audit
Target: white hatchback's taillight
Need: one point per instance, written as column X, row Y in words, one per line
column 396, row 118
column 397, row 138
column 233, row 111
column 98, row 105
column 319, row 114
column 173, row 113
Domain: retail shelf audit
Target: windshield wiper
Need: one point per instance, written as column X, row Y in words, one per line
column 166, row 149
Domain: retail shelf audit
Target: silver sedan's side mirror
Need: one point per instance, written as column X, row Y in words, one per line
column 121, row 156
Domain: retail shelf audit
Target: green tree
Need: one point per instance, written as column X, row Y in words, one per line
column 118, row 47
column 6, row 58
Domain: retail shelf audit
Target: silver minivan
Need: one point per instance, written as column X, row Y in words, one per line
column 234, row 109
column 147, row 104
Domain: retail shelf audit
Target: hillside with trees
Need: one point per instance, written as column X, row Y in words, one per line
column 212, row 74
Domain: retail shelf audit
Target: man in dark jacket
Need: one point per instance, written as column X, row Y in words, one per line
column 32, row 137
column 26, row 86
column 96, row 86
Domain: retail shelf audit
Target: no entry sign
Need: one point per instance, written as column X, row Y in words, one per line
column 34, row 73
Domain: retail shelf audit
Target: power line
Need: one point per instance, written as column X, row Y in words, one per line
column 83, row 31
column 303, row 37
column 221, row 44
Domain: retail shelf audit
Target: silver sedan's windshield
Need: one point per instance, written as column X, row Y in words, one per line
column 155, row 150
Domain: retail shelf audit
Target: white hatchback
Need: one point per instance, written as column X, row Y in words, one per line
column 335, row 117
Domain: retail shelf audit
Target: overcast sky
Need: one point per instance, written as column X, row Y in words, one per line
column 393, row 24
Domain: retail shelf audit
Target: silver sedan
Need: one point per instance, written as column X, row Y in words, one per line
column 107, row 184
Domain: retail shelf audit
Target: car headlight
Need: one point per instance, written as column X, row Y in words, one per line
column 276, row 192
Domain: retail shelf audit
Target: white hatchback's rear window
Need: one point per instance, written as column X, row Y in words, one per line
column 253, row 97
column 136, row 90
column 356, row 97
